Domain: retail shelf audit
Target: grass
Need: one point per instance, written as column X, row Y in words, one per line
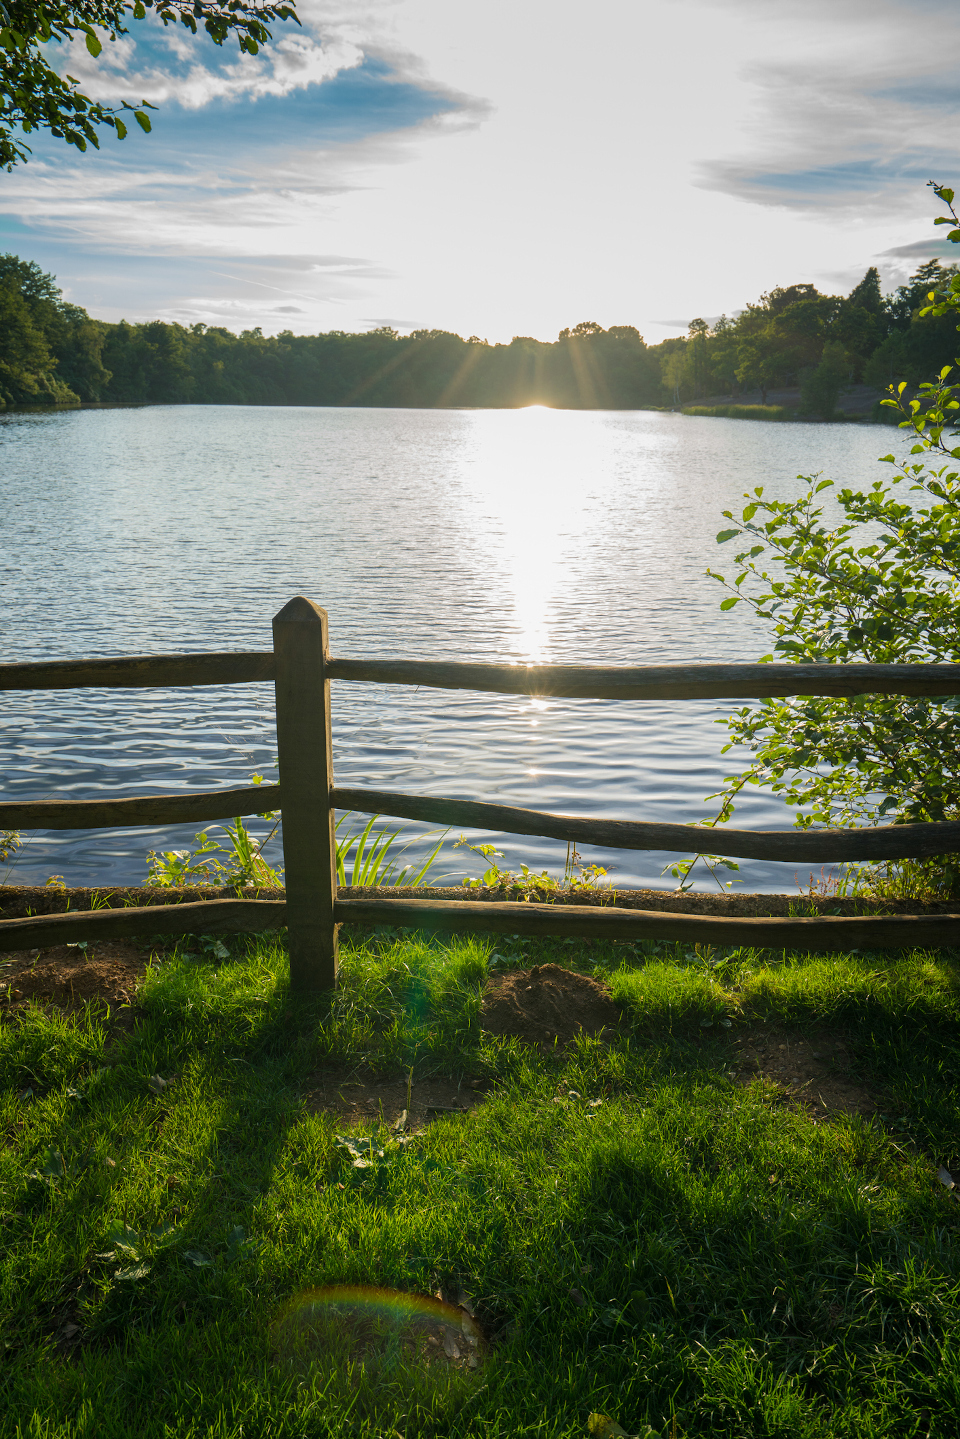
column 742, row 412
column 686, row 1255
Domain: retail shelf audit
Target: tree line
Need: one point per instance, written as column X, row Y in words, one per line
column 53, row 353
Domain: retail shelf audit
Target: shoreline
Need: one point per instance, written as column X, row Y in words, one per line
column 24, row 901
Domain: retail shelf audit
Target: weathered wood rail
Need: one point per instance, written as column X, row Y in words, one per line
column 302, row 670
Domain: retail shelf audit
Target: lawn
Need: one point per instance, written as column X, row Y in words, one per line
column 640, row 1232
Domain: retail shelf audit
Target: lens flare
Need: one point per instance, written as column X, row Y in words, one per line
column 358, row 1330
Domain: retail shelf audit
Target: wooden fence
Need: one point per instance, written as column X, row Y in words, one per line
column 302, row 670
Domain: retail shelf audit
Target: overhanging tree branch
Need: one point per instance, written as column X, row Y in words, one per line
column 33, row 96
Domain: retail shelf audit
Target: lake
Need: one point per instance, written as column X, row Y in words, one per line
column 535, row 535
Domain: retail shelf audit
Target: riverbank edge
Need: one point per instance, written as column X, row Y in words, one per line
column 789, row 416
column 25, row 901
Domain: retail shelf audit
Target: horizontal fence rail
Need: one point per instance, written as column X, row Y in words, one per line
column 140, row 810
column 140, row 672
column 889, row 841
column 656, row 682
column 302, row 670
column 625, row 682
column 208, row 916
column 250, row 916
column 828, row 932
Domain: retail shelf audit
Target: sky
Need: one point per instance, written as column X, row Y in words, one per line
column 505, row 169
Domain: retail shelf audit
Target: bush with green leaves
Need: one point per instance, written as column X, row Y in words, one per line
column 876, row 582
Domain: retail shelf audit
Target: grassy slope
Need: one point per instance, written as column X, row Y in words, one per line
column 746, row 1271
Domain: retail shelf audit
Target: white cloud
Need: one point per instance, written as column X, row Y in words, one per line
column 848, row 110
column 292, row 61
column 644, row 158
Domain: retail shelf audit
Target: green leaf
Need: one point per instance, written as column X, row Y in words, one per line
column 728, row 604
column 749, row 513
column 93, row 44
column 53, row 1166
column 725, row 535
column 136, row 1271
column 143, row 121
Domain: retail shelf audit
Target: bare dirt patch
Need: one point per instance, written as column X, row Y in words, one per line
column 374, row 1100
column 68, row 976
column 548, row 1005
column 815, row 1069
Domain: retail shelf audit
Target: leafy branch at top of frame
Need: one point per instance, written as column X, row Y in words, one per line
column 34, row 96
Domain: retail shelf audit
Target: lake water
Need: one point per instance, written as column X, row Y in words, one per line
column 509, row 535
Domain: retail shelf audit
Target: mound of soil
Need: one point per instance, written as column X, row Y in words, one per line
column 547, row 1004
column 815, row 1069
column 68, row 975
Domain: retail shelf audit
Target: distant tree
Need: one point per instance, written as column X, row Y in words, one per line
column 867, row 294
column 697, row 335
column 582, row 331
column 52, row 349
column 25, row 358
column 820, row 387
column 33, row 96
column 902, row 306
column 722, row 356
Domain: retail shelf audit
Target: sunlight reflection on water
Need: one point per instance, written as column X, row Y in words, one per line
column 533, row 536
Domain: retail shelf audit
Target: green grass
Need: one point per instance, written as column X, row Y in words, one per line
column 742, row 412
column 741, row 1270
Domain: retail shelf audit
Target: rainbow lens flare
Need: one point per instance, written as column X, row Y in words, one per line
column 362, row 1330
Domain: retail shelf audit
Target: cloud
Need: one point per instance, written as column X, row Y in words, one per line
column 932, row 249
column 164, row 66
column 234, row 177
column 390, row 322
column 864, row 112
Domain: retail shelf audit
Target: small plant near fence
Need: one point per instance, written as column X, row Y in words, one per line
column 10, row 843
column 237, row 864
column 363, row 858
column 681, row 869
column 371, row 863
column 540, row 888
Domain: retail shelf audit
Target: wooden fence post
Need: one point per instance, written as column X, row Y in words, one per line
column 301, row 647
